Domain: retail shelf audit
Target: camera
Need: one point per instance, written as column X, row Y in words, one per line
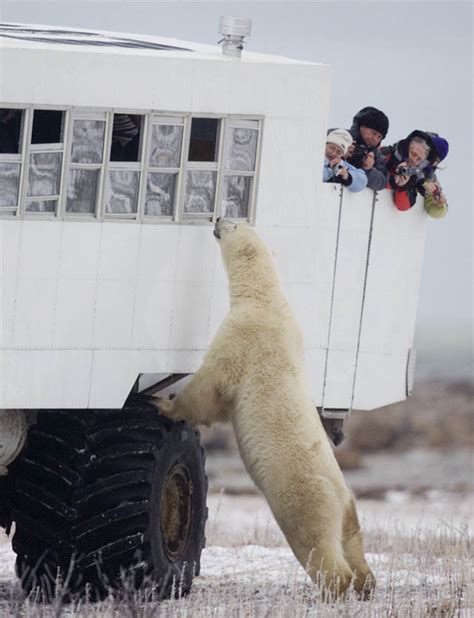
column 404, row 170
column 359, row 154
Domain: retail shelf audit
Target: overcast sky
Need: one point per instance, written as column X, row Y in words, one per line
column 413, row 60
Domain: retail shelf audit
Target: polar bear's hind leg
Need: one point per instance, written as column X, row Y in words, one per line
column 364, row 580
column 313, row 528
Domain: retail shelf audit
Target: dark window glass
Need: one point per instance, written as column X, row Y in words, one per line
column 47, row 127
column 203, row 143
column 10, row 130
column 126, row 137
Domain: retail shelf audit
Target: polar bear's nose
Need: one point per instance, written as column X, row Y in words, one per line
column 218, row 219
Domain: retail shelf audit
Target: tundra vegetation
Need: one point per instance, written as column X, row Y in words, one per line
column 417, row 536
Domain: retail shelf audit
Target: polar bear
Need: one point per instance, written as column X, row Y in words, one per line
column 253, row 375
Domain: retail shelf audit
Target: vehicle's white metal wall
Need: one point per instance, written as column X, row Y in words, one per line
column 167, row 81
column 374, row 254
column 86, row 307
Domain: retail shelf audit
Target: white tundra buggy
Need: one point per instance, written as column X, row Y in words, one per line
column 117, row 154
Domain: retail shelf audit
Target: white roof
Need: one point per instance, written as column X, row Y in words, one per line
column 62, row 38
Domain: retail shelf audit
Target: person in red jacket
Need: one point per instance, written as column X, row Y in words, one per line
column 411, row 163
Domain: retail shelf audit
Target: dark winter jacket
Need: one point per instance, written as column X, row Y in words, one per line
column 376, row 177
column 405, row 197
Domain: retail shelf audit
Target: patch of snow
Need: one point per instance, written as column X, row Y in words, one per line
column 7, row 562
column 251, row 564
column 397, row 497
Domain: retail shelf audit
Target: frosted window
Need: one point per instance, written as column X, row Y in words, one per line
column 200, row 192
column 122, row 194
column 87, row 141
column 235, row 202
column 44, row 174
column 166, row 146
column 82, row 191
column 160, row 190
column 241, row 149
column 9, row 183
column 41, row 206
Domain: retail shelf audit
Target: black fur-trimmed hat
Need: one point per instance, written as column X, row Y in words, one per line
column 372, row 118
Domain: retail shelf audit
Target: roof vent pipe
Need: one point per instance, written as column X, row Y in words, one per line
column 234, row 30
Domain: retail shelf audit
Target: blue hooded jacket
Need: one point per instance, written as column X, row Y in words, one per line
column 357, row 177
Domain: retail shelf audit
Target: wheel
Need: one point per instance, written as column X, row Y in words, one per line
column 108, row 499
column 5, row 503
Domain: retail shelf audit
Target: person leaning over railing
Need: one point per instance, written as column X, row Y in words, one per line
column 335, row 168
column 369, row 128
column 411, row 164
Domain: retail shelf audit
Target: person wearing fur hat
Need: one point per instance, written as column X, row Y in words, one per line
column 336, row 169
column 369, row 128
column 411, row 163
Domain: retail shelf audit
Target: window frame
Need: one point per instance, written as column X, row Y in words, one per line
column 255, row 124
column 202, row 166
column 130, row 166
column 18, row 158
column 160, row 119
column 44, row 148
column 84, row 114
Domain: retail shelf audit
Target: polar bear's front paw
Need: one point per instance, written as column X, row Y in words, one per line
column 165, row 407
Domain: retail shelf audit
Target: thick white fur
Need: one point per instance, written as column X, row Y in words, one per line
column 253, row 376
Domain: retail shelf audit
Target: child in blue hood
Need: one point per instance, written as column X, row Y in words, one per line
column 336, row 169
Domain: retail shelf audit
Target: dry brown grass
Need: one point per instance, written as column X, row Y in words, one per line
column 437, row 415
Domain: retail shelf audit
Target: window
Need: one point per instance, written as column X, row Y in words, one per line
column 85, row 169
column 47, row 127
column 126, row 133
column 164, row 164
column 202, row 167
column 11, row 129
column 155, row 166
column 125, row 164
column 239, row 168
column 204, row 138
column 45, row 161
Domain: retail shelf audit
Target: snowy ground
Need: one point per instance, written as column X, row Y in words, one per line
column 418, row 547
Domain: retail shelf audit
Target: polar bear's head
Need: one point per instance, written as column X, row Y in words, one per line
column 238, row 241
column 249, row 262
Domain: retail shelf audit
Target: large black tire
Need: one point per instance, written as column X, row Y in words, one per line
column 109, row 499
